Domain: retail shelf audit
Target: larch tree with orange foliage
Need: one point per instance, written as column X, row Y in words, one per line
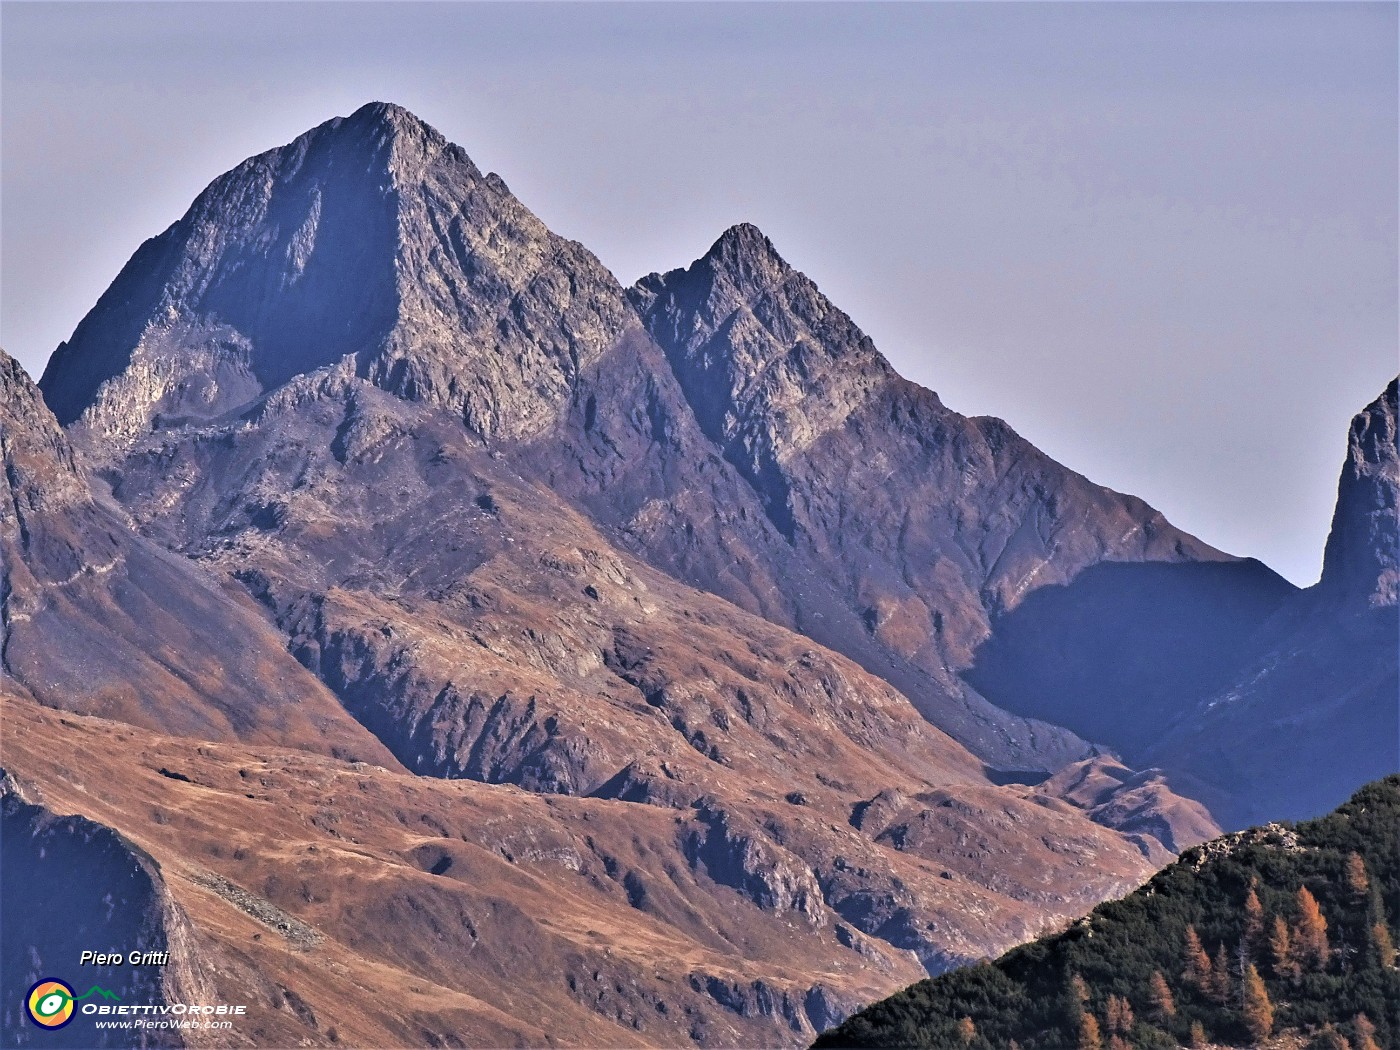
column 1089, row 1037
column 1160, row 995
column 1365, row 1033
column 1258, row 1011
column 1310, row 945
column 1198, row 971
column 1079, row 989
column 1253, row 924
column 1382, row 945
column 1118, row 1015
column 1281, row 947
column 1358, row 881
column 967, row 1031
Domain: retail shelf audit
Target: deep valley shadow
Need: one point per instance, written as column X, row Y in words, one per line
column 1124, row 649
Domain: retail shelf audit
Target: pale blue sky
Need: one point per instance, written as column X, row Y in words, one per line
column 1159, row 239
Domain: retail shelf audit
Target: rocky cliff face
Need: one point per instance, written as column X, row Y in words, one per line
column 769, row 455
column 370, row 238
column 1362, row 560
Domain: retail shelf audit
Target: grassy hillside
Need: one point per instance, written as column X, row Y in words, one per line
column 1277, row 930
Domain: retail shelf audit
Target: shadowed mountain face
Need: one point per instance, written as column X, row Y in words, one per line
column 1317, row 687
column 1362, row 560
column 1123, row 651
column 82, row 886
column 691, row 562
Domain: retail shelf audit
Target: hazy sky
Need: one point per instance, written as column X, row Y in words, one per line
column 1159, row 240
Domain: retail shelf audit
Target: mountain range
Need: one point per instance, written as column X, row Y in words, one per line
column 653, row 664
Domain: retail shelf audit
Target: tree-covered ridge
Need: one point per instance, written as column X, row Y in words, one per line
column 1277, row 929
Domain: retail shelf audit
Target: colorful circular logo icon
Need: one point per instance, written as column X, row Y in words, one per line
column 50, row 1003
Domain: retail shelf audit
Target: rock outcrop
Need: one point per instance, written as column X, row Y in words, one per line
column 1362, row 559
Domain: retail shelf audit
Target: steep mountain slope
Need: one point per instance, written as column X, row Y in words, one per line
column 1229, row 893
column 1362, row 560
column 370, row 236
column 464, row 301
column 1318, row 687
column 372, row 247
column 933, row 530
column 98, row 620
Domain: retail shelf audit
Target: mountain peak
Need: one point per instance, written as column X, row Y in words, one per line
column 744, row 257
column 370, row 236
column 745, row 242
column 1361, row 554
column 388, row 124
column 390, row 114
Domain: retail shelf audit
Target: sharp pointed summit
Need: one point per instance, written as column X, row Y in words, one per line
column 371, row 238
column 1362, row 559
column 744, row 255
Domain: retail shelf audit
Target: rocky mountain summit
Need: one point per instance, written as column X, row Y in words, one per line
column 527, row 597
column 369, row 238
column 943, row 537
column 1362, row 559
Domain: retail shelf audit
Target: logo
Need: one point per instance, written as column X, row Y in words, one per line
column 51, row 1002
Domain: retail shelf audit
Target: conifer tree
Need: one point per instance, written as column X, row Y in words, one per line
column 1357, row 879
column 1163, row 1005
column 1329, row 1039
column 1198, row 972
column 1310, row 947
column 1365, row 1033
column 967, row 1031
column 1079, row 989
column 1117, row 1042
column 1382, row 946
column 1253, row 923
column 1089, row 1038
column 1119, row 1015
column 1220, row 976
column 1258, row 1011
column 1198, row 1035
column 1281, row 947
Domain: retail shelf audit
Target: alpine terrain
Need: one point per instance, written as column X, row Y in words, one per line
column 393, row 601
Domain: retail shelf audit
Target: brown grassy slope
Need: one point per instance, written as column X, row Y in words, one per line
column 549, row 918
